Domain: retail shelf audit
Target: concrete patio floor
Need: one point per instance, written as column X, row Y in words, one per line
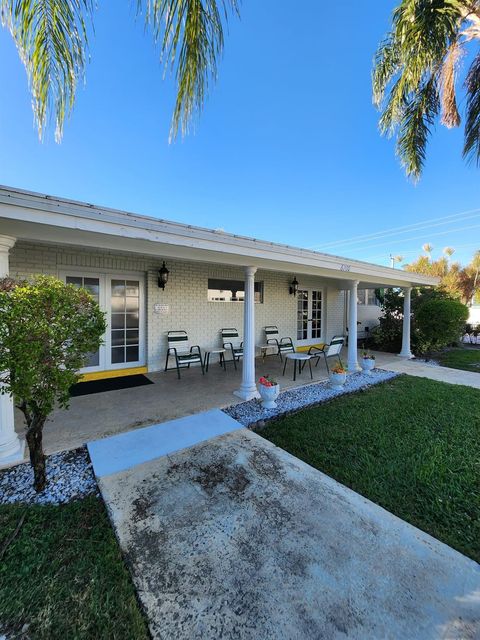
column 236, row 539
column 103, row 414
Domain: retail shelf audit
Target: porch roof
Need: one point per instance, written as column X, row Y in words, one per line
column 43, row 218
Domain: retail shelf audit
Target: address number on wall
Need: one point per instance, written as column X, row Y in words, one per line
column 161, row 309
column 345, row 267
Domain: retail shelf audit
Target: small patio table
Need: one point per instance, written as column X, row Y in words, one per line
column 264, row 348
column 221, row 360
column 298, row 359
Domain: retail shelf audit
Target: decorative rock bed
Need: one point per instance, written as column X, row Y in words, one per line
column 251, row 414
column 70, row 477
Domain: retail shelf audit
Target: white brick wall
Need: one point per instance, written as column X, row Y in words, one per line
column 185, row 294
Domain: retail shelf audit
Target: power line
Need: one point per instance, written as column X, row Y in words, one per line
column 431, row 235
column 404, row 229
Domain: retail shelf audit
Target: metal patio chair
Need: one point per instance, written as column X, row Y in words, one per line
column 231, row 342
column 284, row 345
column 179, row 348
column 331, row 350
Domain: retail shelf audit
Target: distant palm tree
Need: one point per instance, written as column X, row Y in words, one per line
column 395, row 260
column 52, row 40
column 415, row 75
column 448, row 251
column 428, row 248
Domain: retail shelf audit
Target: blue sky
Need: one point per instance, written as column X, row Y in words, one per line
column 287, row 148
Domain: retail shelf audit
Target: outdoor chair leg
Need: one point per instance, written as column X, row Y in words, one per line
column 207, row 361
column 326, row 362
column 284, row 366
column 178, row 369
column 310, row 367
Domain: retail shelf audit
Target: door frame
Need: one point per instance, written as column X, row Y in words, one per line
column 105, row 277
column 309, row 341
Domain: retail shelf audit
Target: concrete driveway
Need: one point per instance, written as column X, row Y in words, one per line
column 236, row 539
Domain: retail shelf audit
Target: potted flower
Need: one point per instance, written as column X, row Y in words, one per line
column 268, row 388
column 338, row 375
column 368, row 362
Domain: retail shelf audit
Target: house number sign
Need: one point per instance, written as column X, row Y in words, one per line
column 161, row 309
column 344, row 267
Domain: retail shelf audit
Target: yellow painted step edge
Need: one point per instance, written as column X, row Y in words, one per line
column 114, row 373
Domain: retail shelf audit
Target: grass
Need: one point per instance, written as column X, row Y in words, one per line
column 461, row 358
column 63, row 575
column 411, row 445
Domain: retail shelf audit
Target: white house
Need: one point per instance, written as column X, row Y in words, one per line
column 216, row 280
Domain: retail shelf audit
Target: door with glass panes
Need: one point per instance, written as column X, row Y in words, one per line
column 121, row 297
column 309, row 316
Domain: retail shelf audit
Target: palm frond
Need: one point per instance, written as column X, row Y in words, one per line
column 409, row 61
column 51, row 37
column 450, row 114
column 471, row 149
column 415, row 126
column 191, row 37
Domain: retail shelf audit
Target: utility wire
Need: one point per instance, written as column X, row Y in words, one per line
column 450, row 219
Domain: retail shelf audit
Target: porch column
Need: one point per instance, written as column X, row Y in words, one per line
column 405, row 352
column 11, row 448
column 352, row 327
column 248, row 388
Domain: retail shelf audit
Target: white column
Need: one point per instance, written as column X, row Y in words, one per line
column 405, row 352
column 11, row 448
column 248, row 388
column 352, row 328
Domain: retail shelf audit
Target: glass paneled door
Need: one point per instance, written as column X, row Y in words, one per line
column 121, row 297
column 309, row 316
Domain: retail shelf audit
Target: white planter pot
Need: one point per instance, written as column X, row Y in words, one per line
column 367, row 365
column 268, row 395
column 337, row 380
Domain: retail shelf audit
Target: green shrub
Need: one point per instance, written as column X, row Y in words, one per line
column 439, row 323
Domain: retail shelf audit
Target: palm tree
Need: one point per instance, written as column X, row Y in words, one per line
column 428, row 248
column 415, row 76
column 52, row 40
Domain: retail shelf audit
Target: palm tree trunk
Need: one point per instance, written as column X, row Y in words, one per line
column 37, row 457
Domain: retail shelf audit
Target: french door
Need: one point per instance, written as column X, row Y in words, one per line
column 309, row 316
column 121, row 297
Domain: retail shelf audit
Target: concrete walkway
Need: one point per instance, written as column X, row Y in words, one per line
column 236, row 539
column 423, row 370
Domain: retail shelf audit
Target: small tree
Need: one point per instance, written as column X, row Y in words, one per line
column 47, row 330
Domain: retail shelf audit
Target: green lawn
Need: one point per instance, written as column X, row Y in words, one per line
column 411, row 445
column 63, row 575
column 462, row 358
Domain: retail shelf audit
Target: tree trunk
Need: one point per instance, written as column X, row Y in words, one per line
column 37, row 457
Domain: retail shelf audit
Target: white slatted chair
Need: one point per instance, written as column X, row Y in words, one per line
column 231, row 342
column 284, row 345
column 332, row 350
column 179, row 348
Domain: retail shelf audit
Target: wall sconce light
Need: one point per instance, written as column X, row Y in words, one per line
column 163, row 276
column 294, row 286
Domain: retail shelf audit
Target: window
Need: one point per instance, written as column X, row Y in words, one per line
column 125, row 323
column 222, row 290
column 367, row 297
column 92, row 285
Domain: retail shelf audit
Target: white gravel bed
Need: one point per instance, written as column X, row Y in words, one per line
column 69, row 474
column 430, row 362
column 251, row 412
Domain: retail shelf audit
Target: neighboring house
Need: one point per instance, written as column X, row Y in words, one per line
column 216, row 280
column 474, row 314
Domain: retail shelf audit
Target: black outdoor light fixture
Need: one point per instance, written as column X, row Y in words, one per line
column 294, row 286
column 163, row 276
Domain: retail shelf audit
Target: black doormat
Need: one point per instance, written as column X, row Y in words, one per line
column 108, row 384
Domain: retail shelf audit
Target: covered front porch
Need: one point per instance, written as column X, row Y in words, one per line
column 100, row 415
column 119, row 256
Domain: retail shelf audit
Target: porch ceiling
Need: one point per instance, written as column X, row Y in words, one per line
column 40, row 218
